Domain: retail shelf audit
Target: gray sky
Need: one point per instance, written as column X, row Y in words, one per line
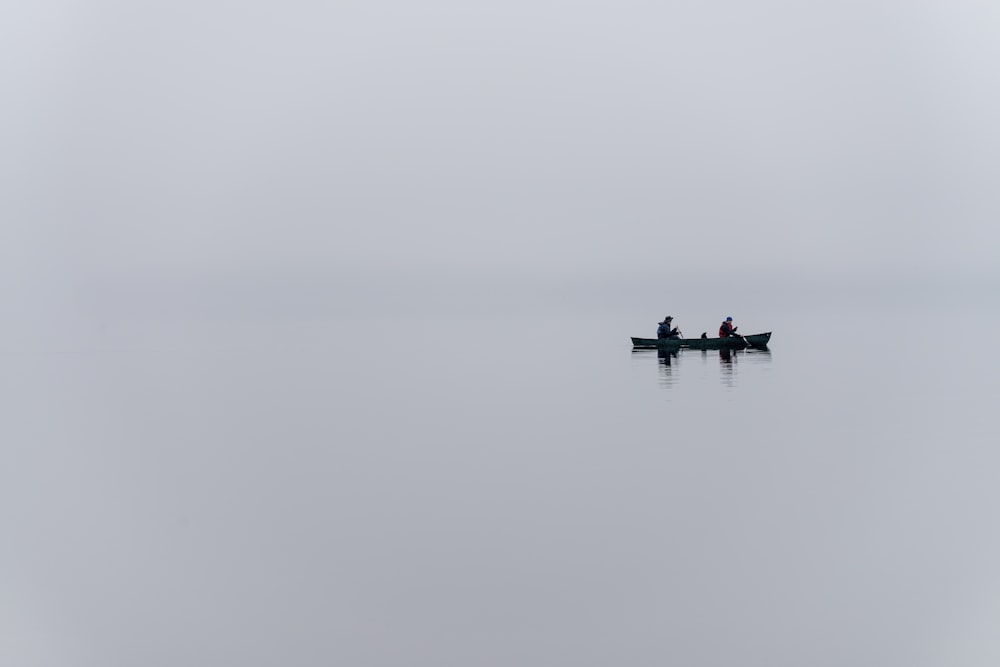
column 518, row 138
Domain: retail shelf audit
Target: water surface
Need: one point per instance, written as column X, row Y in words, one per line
column 372, row 492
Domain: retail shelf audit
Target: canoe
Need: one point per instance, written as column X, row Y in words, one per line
column 733, row 342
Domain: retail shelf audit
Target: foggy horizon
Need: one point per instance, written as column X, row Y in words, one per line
column 527, row 139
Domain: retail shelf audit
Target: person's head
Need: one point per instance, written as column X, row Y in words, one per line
column 729, row 319
column 668, row 319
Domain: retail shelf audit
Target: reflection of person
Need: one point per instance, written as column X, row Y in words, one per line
column 664, row 330
column 727, row 329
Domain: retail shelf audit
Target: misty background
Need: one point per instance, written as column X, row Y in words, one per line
column 246, row 156
column 315, row 319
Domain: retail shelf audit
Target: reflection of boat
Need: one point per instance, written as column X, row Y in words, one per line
column 758, row 341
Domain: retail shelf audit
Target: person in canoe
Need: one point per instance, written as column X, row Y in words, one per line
column 666, row 331
column 726, row 329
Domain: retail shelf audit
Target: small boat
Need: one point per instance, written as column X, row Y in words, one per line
column 758, row 341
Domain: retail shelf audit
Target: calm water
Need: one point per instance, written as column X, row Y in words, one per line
column 377, row 492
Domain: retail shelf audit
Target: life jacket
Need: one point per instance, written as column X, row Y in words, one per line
column 663, row 331
column 726, row 330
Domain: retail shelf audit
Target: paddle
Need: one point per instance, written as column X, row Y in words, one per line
column 746, row 343
column 743, row 338
column 732, row 332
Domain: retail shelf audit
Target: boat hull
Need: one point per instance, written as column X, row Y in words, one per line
column 758, row 341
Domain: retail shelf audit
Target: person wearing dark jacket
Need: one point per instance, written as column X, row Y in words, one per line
column 727, row 329
column 664, row 330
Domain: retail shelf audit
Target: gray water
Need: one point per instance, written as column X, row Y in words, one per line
column 505, row 488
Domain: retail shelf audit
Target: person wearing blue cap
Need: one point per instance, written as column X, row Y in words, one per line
column 727, row 329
